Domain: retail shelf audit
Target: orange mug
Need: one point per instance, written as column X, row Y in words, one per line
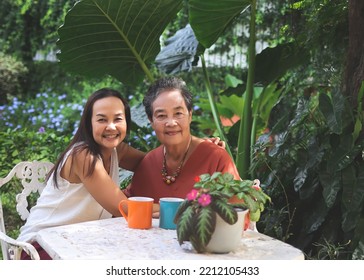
column 140, row 210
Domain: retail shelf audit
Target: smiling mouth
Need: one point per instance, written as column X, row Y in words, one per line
column 111, row 136
column 172, row 132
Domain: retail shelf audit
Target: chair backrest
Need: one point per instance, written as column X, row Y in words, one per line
column 32, row 176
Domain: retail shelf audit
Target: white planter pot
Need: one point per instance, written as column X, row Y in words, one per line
column 227, row 237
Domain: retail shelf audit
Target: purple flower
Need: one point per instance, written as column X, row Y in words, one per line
column 41, row 129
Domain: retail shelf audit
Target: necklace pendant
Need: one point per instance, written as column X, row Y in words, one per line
column 169, row 179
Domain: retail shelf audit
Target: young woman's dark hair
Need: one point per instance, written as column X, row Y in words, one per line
column 83, row 136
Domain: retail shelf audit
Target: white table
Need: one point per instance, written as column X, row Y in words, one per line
column 111, row 239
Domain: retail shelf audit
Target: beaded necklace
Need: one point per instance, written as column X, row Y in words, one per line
column 169, row 179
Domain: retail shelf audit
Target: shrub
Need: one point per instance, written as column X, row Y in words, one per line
column 48, row 111
column 11, row 74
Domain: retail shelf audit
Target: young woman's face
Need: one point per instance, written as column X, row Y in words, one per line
column 108, row 122
column 171, row 118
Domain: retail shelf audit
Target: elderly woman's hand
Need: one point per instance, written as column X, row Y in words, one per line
column 216, row 141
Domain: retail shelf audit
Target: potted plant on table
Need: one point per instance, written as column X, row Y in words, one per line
column 214, row 199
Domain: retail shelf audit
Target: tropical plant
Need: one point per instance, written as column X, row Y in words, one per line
column 246, row 194
column 130, row 43
column 312, row 159
column 121, row 38
column 211, row 196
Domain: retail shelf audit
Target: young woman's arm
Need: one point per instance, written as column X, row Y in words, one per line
column 129, row 157
column 99, row 184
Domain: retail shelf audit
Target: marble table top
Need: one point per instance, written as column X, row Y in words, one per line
column 111, row 239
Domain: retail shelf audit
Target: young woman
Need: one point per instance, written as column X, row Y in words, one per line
column 83, row 185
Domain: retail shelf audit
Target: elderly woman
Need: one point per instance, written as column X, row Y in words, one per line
column 170, row 169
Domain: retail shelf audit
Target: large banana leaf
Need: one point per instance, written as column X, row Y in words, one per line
column 209, row 18
column 119, row 38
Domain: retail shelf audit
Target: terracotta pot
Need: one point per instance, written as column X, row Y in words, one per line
column 227, row 237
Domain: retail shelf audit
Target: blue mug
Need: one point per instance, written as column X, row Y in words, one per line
column 167, row 211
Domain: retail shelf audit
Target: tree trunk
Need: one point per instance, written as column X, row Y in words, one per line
column 354, row 74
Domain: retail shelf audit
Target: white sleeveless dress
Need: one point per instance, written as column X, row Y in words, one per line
column 67, row 204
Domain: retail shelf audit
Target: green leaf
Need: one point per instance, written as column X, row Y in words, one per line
column 216, row 175
column 225, row 211
column 233, row 103
column 353, row 196
column 314, row 216
column 205, row 177
column 332, row 119
column 139, row 117
column 178, row 52
column 182, row 207
column 209, row 19
column 331, row 185
column 245, row 184
column 249, row 202
column 117, row 38
column 268, row 98
column 185, row 225
column 274, row 62
column 300, row 178
column 200, row 248
column 204, row 225
column 260, row 196
column 255, row 216
column 232, row 81
column 345, row 153
column 301, row 113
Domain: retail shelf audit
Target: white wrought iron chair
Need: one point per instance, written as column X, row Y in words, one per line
column 32, row 176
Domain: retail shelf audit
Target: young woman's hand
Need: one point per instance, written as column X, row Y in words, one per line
column 155, row 211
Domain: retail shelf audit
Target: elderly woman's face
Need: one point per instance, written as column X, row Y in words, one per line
column 171, row 119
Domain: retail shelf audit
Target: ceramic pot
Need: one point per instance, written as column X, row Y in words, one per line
column 227, row 237
column 248, row 223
